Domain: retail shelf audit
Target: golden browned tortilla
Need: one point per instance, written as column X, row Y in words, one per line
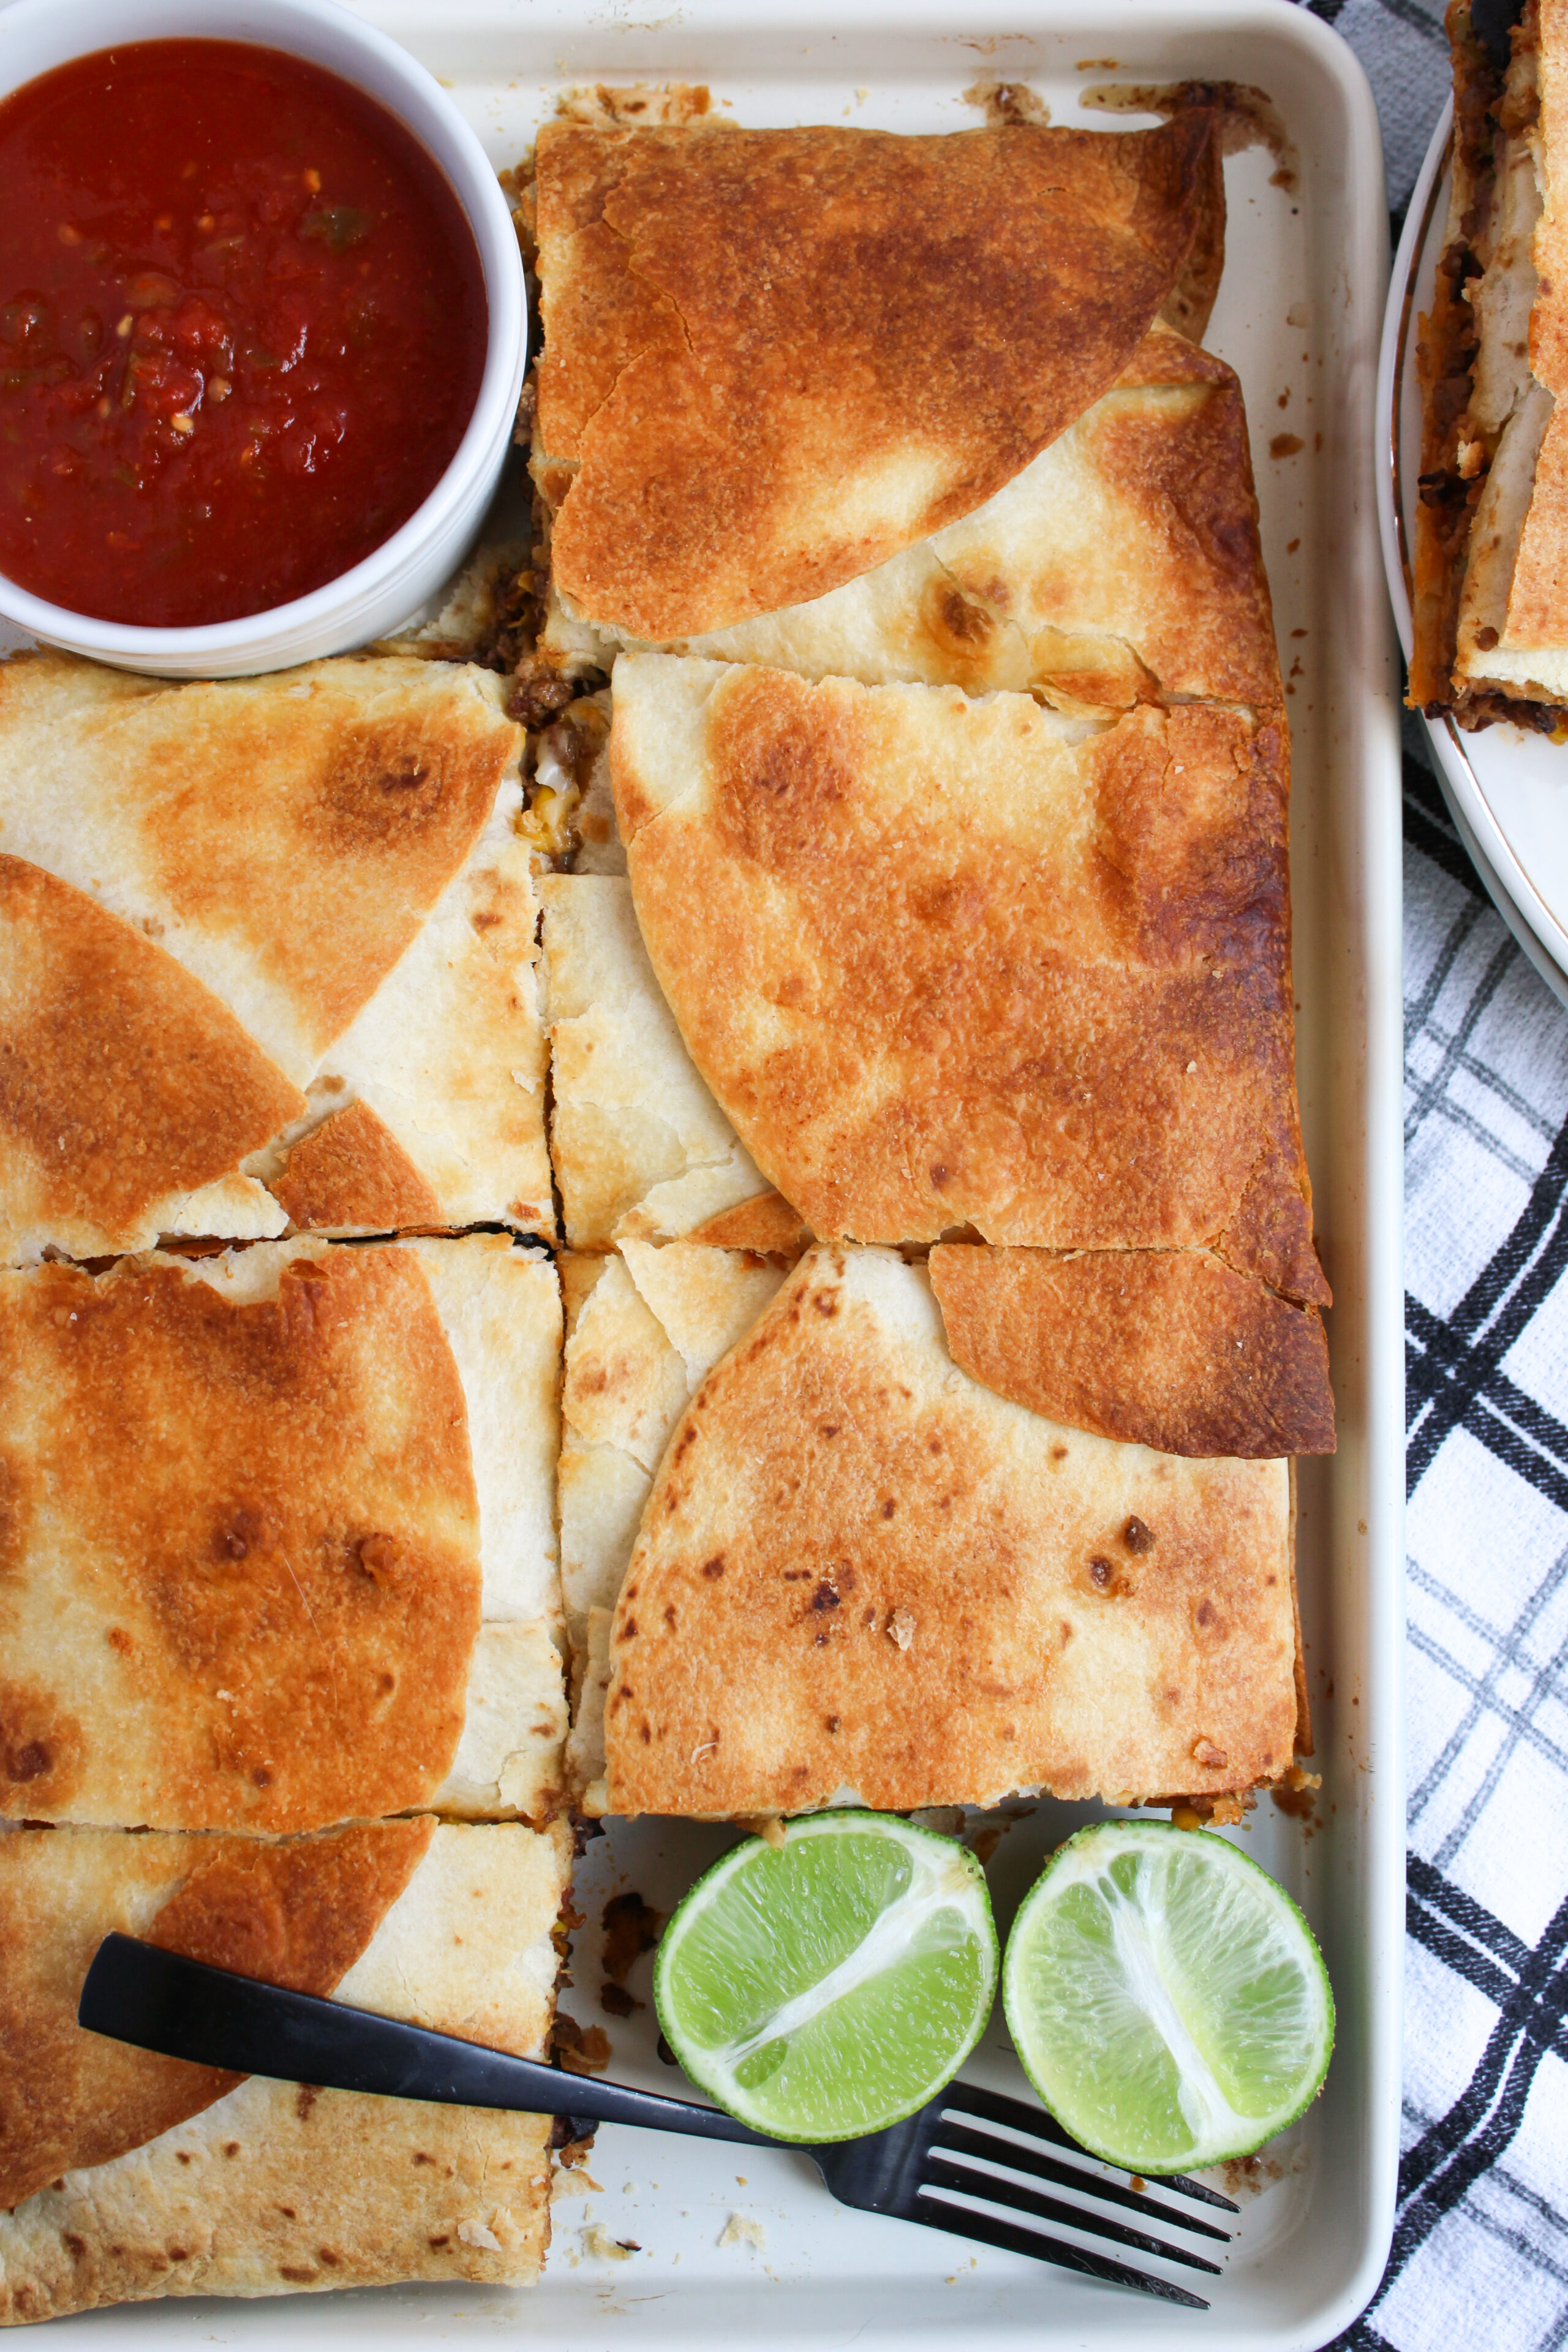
column 1165, row 1347
column 861, row 1575
column 130, row 1095
column 271, row 916
column 241, row 1581
column 949, row 962
column 1121, row 565
column 297, row 1914
column 129, row 2177
column 774, row 357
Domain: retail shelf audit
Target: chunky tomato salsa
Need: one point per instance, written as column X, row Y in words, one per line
column 242, row 328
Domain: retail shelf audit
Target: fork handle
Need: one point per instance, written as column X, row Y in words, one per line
column 160, row 2000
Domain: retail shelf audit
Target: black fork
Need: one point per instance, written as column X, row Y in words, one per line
column 942, row 2167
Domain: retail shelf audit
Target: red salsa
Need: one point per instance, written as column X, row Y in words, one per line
column 242, row 327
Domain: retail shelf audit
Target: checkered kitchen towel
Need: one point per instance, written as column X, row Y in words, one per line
column 1480, row 2241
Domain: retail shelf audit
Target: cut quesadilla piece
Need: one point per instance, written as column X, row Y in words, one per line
column 130, row 2175
column 948, row 962
column 1121, row 565
column 773, row 358
column 130, row 1096
column 281, row 1546
column 644, row 1327
column 1169, row 1349
column 861, row 1577
column 1491, row 570
column 330, row 861
column 641, row 1149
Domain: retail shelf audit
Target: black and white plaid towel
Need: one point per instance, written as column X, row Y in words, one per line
column 1480, row 2241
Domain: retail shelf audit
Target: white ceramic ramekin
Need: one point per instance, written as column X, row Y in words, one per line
column 397, row 577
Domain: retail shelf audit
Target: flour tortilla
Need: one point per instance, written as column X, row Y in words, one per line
column 641, row 1151
column 273, row 902
column 862, row 1576
column 282, row 1537
column 742, row 401
column 950, row 964
column 1122, row 564
column 273, row 2188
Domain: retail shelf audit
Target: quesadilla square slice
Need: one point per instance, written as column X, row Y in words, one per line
column 267, row 956
column 950, row 964
column 861, row 1577
column 644, row 1328
column 281, row 1536
column 744, row 395
column 1121, row 565
column 128, row 2176
column 640, row 1149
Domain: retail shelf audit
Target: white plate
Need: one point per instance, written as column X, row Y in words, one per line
column 1298, row 316
column 1507, row 789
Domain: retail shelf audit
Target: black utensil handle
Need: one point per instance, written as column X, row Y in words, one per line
column 160, row 2001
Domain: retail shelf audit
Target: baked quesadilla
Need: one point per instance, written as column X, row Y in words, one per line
column 640, row 1149
column 1170, row 1349
column 279, row 1545
column 1490, row 571
column 861, row 1577
column 950, row 964
column 773, row 358
column 129, row 2176
column 644, row 1328
column 266, row 956
column 1121, row 565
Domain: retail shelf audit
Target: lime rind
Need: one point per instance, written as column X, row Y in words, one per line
column 830, row 1988
column 1166, row 1998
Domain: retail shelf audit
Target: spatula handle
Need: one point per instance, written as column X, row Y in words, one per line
column 160, row 2001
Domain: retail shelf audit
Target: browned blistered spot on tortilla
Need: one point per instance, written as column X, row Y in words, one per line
column 41, row 1749
column 1168, row 1348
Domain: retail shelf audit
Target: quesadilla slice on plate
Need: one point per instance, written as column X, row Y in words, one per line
column 949, row 963
column 1121, row 565
column 281, row 1536
column 1490, row 585
column 266, row 956
column 773, row 358
column 862, row 1577
column 129, row 2176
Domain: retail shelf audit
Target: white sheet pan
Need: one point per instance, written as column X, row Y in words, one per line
column 1299, row 317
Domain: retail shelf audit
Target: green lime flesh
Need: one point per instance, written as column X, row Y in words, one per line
column 830, row 1985
column 1166, row 1997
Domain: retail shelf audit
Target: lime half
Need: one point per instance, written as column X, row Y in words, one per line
column 829, row 1986
column 1166, row 1997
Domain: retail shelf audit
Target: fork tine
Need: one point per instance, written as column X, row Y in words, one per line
column 941, row 2174
column 957, row 2139
column 962, row 2223
column 993, row 2107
